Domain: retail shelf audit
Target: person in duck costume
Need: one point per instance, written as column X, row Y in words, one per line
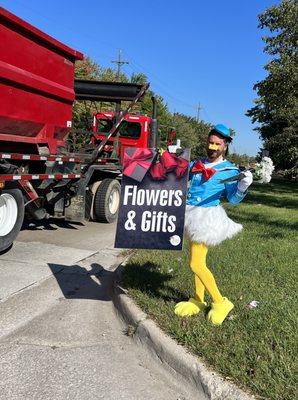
column 206, row 222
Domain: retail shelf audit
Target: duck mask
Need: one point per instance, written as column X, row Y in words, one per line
column 213, row 146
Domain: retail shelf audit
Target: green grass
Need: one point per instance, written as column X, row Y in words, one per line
column 256, row 348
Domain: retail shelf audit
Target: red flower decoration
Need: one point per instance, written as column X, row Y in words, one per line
column 169, row 161
column 158, row 172
column 182, row 167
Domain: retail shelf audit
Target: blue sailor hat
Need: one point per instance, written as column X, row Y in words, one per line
column 223, row 131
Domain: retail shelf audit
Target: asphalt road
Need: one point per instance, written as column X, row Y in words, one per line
column 59, row 335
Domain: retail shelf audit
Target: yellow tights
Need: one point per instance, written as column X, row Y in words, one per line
column 203, row 276
column 221, row 306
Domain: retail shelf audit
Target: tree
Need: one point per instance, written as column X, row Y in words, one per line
column 139, row 78
column 83, row 111
column 87, row 69
column 242, row 159
column 192, row 133
column 276, row 107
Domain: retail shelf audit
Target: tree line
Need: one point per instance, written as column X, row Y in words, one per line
column 193, row 133
column 274, row 111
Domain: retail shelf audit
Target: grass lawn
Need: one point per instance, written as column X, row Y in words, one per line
column 257, row 347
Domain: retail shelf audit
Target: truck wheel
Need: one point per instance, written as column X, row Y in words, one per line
column 107, row 200
column 11, row 216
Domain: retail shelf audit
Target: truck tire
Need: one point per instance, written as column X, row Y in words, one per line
column 107, row 200
column 11, row 216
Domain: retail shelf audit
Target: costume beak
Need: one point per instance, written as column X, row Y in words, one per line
column 213, row 146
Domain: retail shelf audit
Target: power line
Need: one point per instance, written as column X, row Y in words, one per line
column 158, row 82
column 157, row 79
column 162, row 90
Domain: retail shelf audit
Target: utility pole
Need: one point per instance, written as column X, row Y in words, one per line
column 119, row 63
column 199, row 109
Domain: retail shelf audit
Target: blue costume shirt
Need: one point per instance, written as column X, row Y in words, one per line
column 208, row 193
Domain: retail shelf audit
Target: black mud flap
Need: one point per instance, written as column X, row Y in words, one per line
column 75, row 211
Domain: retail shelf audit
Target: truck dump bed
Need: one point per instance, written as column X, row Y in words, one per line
column 36, row 85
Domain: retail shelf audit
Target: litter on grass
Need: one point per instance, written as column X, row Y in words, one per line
column 253, row 304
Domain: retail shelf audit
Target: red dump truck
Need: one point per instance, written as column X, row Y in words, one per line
column 38, row 176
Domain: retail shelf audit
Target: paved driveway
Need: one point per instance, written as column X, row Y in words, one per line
column 59, row 335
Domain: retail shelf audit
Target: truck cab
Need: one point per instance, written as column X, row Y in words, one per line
column 134, row 131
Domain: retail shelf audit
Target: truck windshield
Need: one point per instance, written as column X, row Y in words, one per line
column 127, row 129
column 104, row 125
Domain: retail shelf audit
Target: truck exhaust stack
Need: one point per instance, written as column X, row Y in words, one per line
column 154, row 127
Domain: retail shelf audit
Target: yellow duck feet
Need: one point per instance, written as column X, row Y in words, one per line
column 219, row 311
column 188, row 308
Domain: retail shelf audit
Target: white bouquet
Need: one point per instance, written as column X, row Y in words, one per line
column 263, row 170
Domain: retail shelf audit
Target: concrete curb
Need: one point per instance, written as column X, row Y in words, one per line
column 207, row 383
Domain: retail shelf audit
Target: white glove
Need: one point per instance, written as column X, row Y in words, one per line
column 245, row 182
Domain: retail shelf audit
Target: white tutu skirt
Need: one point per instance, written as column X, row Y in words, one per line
column 209, row 225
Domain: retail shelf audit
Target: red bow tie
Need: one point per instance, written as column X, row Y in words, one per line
column 200, row 167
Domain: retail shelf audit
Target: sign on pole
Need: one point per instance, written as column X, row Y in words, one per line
column 153, row 196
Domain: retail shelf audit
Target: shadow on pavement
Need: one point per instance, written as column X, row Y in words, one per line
column 49, row 225
column 77, row 282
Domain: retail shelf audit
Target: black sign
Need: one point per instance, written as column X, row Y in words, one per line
column 152, row 211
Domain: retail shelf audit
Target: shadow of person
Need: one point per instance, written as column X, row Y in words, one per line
column 76, row 282
column 148, row 278
column 95, row 283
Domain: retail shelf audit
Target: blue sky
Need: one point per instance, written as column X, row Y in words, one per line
column 193, row 51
